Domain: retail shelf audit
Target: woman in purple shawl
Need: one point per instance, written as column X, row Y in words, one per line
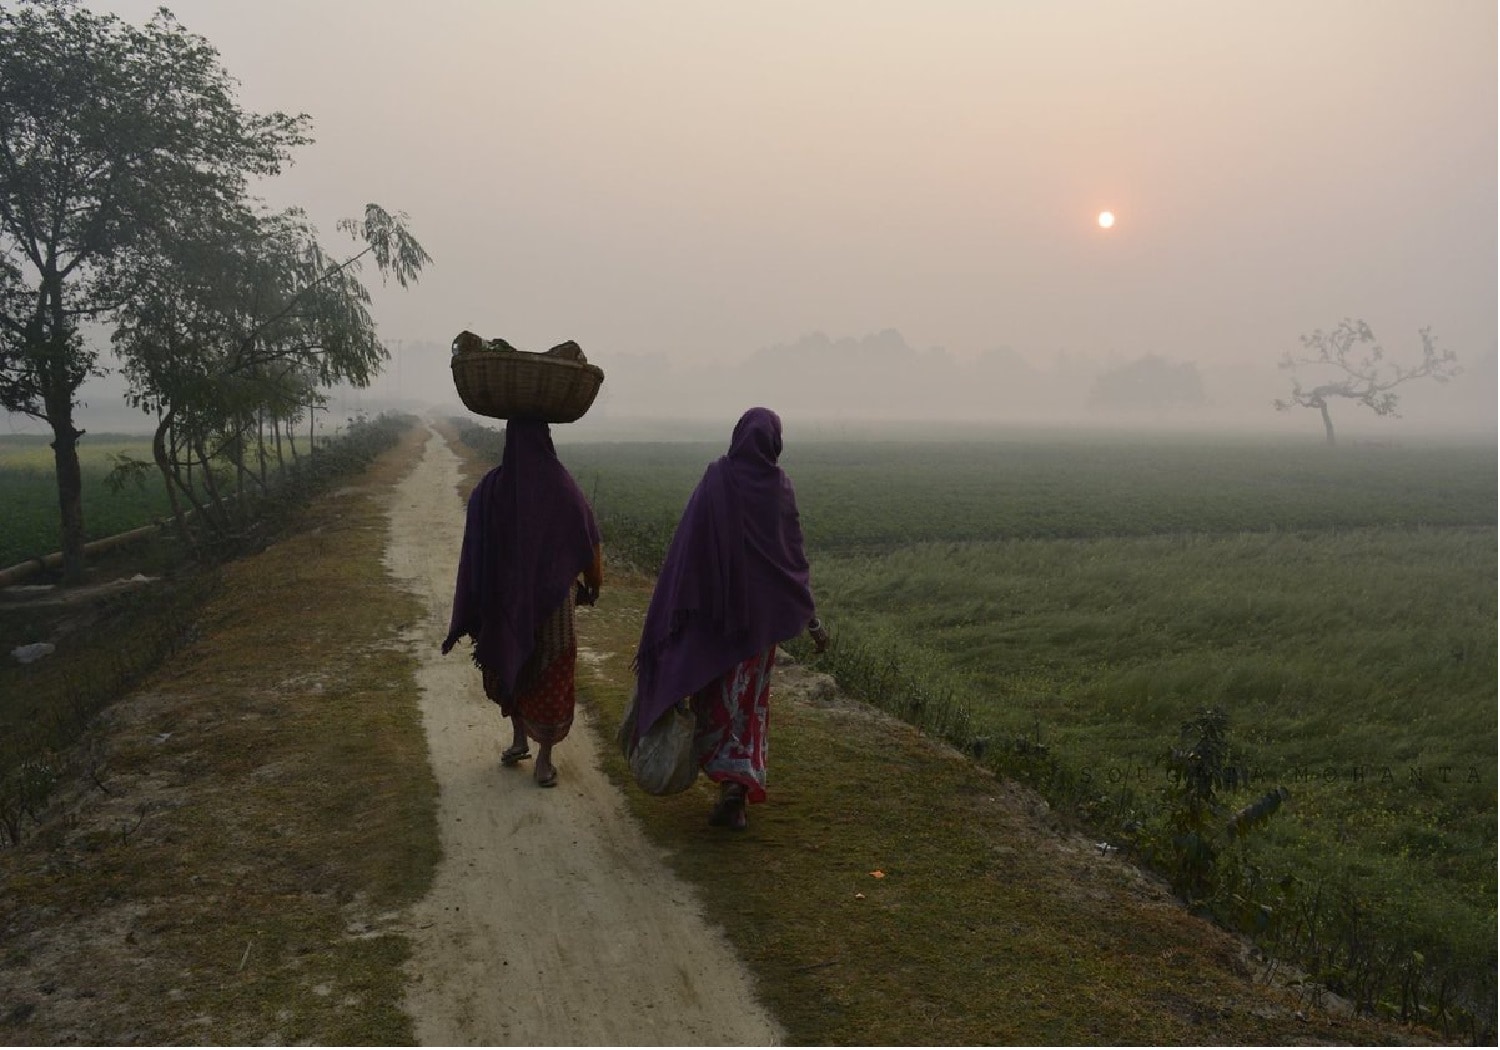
column 529, row 535
column 733, row 586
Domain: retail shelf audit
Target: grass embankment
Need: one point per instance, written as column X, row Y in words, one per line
column 1061, row 607
column 28, row 492
column 259, row 811
column 107, row 637
column 1357, row 670
column 988, row 925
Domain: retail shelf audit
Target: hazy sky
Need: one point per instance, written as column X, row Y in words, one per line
column 703, row 179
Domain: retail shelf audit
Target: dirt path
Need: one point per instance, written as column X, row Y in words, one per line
column 551, row 919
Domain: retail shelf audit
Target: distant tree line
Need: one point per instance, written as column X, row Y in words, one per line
column 1149, row 384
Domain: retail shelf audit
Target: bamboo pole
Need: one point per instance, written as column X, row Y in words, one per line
column 21, row 570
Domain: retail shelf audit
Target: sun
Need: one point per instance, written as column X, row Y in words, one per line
column 1106, row 219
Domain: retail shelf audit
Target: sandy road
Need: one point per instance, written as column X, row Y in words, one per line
column 551, row 920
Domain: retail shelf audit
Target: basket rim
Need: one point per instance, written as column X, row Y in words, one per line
column 519, row 356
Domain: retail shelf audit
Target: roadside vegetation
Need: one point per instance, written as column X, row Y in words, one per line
column 117, row 493
column 1065, row 612
column 162, row 819
column 28, row 491
column 225, row 848
column 125, row 171
column 1356, row 671
column 107, row 638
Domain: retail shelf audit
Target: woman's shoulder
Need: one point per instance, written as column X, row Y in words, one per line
column 491, row 476
column 483, row 485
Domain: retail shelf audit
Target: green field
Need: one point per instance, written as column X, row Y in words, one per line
column 1062, row 606
column 881, row 495
column 29, row 523
column 1357, row 668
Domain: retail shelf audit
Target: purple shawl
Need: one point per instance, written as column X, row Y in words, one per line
column 528, row 535
column 735, row 579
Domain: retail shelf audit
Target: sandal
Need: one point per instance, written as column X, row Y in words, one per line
column 729, row 812
column 515, row 753
column 549, row 780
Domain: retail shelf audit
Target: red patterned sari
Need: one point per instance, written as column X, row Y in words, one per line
column 544, row 689
column 733, row 713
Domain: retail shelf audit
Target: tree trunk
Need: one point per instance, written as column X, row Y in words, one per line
column 1327, row 422
column 280, row 457
column 237, row 451
column 59, row 385
column 260, row 445
column 164, row 464
column 69, row 489
column 215, row 509
column 181, row 458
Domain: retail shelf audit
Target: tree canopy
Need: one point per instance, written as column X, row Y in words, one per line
column 107, row 131
column 115, row 141
column 242, row 324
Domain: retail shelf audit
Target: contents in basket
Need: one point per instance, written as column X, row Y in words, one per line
column 466, row 342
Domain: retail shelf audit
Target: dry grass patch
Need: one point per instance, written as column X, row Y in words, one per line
column 263, row 809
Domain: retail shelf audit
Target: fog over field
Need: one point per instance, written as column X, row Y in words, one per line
column 1020, row 277
column 866, row 210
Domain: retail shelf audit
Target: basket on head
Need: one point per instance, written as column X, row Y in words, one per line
column 496, row 380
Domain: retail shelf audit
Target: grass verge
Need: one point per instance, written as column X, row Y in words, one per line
column 260, row 810
column 1356, row 668
column 988, row 923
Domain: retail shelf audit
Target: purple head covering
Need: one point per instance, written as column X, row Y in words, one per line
column 528, row 535
column 735, row 579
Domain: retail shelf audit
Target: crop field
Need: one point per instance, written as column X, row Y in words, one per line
column 28, row 493
column 874, row 495
column 1061, row 608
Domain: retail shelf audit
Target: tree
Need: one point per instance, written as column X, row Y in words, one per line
column 240, row 326
column 1150, row 384
column 112, row 138
column 1354, row 365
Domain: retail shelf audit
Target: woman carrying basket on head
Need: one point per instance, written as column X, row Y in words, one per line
column 733, row 586
column 529, row 535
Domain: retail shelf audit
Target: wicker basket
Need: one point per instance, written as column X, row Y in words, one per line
column 513, row 384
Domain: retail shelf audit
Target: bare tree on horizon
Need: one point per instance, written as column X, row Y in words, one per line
column 1364, row 379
